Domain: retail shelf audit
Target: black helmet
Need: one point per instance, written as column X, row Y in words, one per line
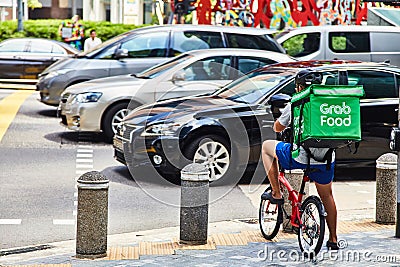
column 307, row 77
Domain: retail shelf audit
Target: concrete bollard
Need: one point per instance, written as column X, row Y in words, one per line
column 294, row 177
column 386, row 184
column 91, row 232
column 194, row 204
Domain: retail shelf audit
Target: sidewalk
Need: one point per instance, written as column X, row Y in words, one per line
column 239, row 242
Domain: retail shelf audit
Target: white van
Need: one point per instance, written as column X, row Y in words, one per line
column 364, row 43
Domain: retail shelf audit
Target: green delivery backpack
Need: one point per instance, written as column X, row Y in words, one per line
column 326, row 116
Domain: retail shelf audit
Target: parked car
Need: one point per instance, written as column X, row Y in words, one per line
column 225, row 130
column 365, row 43
column 101, row 104
column 25, row 58
column 137, row 50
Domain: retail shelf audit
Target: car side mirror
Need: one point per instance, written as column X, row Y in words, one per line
column 278, row 102
column 121, row 53
column 178, row 76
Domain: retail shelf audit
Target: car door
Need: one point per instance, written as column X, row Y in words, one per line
column 12, row 58
column 379, row 113
column 144, row 50
column 38, row 58
column 200, row 77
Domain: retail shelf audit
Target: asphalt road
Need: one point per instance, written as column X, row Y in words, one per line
column 40, row 162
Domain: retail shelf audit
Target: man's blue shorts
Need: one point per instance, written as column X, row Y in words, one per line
column 318, row 172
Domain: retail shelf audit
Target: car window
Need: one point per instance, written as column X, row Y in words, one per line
column 13, row 46
column 163, row 67
column 377, row 84
column 211, row 68
column 349, row 42
column 193, row 40
column 147, row 45
column 107, row 53
column 57, row 50
column 247, row 64
column 262, row 42
column 328, row 78
column 302, row 44
column 38, row 46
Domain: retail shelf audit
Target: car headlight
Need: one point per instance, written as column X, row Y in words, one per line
column 55, row 73
column 87, row 97
column 161, row 129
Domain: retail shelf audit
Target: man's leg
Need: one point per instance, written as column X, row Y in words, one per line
column 271, row 166
column 325, row 193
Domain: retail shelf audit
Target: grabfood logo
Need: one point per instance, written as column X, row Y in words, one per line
column 330, row 111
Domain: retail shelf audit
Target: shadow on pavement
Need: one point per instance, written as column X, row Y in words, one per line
column 72, row 137
column 52, row 113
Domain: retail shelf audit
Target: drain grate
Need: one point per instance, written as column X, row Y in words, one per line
column 24, row 250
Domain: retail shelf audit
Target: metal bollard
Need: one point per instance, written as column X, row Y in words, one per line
column 91, row 232
column 194, row 204
column 294, row 178
column 386, row 177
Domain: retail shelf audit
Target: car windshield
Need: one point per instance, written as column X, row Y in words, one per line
column 102, row 45
column 163, row 67
column 254, row 86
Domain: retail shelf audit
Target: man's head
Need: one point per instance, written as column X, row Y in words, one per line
column 93, row 34
column 305, row 78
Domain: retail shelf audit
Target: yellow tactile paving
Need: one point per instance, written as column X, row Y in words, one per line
column 210, row 245
column 151, row 248
column 361, row 226
column 230, row 239
column 122, row 253
column 254, row 236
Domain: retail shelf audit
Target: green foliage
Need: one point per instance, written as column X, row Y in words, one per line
column 294, row 45
column 49, row 29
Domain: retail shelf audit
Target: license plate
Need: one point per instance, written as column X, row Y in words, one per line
column 118, row 144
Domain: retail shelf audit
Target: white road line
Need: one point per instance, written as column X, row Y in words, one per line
column 84, row 166
column 363, row 192
column 84, row 160
column 64, row 222
column 353, row 184
column 10, row 221
column 84, row 151
column 85, row 146
column 81, row 155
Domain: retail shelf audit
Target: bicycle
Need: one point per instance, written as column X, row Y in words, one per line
column 307, row 217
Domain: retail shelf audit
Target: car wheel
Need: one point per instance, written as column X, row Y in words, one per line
column 112, row 118
column 212, row 151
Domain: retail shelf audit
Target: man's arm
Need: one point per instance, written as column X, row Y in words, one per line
column 278, row 127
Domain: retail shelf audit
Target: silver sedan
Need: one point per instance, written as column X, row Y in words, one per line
column 100, row 105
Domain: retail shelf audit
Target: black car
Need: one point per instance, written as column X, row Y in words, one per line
column 225, row 130
column 25, row 58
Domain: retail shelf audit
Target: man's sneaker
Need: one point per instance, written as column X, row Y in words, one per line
column 268, row 196
column 332, row 245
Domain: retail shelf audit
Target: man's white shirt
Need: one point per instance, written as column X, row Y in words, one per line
column 90, row 43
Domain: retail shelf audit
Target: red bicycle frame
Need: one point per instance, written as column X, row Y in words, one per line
column 295, row 197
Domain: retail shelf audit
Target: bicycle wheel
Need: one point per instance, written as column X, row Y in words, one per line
column 311, row 232
column 270, row 217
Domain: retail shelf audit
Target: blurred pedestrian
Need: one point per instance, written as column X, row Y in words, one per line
column 91, row 42
column 72, row 32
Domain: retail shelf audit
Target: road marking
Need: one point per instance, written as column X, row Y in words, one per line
column 80, row 155
column 84, row 160
column 10, row 221
column 9, row 107
column 84, row 166
column 84, row 151
column 363, row 192
column 63, row 222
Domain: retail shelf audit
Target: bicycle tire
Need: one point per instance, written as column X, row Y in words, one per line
column 311, row 232
column 270, row 230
